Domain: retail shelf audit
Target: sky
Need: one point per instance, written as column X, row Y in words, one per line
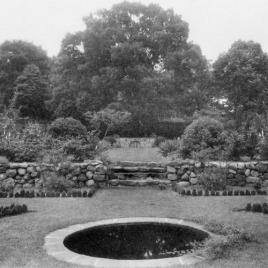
column 214, row 24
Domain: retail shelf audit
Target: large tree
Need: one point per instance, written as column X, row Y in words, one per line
column 241, row 77
column 14, row 56
column 134, row 54
column 31, row 93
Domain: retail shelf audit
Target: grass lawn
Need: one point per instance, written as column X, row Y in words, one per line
column 143, row 154
column 22, row 236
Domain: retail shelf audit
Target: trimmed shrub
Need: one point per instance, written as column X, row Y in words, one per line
column 203, row 135
column 247, row 192
column 242, row 192
column 188, row 192
column 230, row 193
column 183, row 192
column 253, row 193
column 265, row 208
column 194, row 193
column 67, row 127
column 256, row 207
column 248, row 207
column 13, row 209
column 236, row 192
column 200, row 193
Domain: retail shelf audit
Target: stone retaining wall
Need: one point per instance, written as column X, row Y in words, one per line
column 185, row 173
column 30, row 176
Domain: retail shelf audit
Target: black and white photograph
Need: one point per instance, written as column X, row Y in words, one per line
column 133, row 134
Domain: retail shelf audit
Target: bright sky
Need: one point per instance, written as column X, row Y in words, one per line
column 214, row 24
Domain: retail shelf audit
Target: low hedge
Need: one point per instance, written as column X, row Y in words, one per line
column 13, row 209
column 257, row 207
column 30, row 194
column 194, row 192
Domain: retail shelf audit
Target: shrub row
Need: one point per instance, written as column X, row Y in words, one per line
column 12, row 210
column 27, row 194
column 257, row 207
column 221, row 193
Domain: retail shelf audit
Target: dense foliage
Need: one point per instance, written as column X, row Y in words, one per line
column 13, row 209
column 69, row 126
column 133, row 72
column 205, row 137
column 14, row 57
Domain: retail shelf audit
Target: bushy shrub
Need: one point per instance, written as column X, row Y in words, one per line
column 265, row 208
column 243, row 143
column 263, row 147
column 256, row 207
column 52, row 182
column 13, row 209
column 220, row 247
column 82, row 148
column 24, row 145
column 67, row 127
column 203, row 134
column 248, row 207
column 158, row 140
column 169, row 146
column 213, row 179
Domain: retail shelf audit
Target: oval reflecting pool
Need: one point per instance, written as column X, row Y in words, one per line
column 135, row 240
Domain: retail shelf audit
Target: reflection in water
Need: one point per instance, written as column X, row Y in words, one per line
column 135, row 241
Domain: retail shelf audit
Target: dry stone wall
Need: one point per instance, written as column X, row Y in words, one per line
column 30, row 176
column 185, row 173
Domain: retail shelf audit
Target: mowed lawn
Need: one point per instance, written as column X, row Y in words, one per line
column 22, row 236
column 143, row 154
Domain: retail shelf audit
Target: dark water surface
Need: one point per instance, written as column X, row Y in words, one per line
column 135, row 241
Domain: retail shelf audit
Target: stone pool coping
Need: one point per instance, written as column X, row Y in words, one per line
column 54, row 246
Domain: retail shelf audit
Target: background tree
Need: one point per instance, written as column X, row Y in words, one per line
column 14, row 56
column 120, row 55
column 31, row 92
column 241, row 76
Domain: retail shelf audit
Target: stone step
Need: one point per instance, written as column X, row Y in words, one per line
column 139, row 176
column 145, row 182
column 138, row 169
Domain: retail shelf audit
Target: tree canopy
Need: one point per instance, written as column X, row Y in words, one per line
column 14, row 56
column 134, row 54
column 241, row 76
column 31, row 93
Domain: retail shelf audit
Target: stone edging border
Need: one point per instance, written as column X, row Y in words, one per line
column 54, row 247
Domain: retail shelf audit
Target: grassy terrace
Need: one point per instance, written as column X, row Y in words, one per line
column 22, row 236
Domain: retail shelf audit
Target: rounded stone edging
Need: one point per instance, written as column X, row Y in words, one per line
column 54, row 247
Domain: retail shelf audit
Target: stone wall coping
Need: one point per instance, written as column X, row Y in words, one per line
column 179, row 162
column 55, row 247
